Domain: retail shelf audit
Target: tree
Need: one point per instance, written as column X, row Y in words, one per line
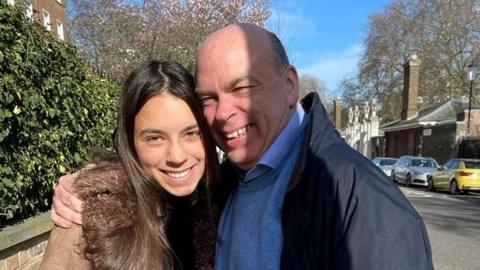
column 445, row 35
column 115, row 35
column 309, row 83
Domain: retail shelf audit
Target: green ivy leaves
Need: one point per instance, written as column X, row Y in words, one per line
column 53, row 109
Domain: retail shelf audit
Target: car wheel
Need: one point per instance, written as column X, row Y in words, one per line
column 454, row 187
column 430, row 184
column 408, row 180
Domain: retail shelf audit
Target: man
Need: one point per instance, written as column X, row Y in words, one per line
column 302, row 198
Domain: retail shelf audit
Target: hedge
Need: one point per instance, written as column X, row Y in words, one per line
column 53, row 109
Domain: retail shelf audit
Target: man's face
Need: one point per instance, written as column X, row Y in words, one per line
column 246, row 100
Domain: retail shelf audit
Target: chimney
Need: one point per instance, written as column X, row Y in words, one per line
column 337, row 113
column 410, row 87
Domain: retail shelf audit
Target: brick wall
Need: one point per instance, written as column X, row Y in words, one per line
column 445, row 139
column 403, row 142
column 56, row 11
column 474, row 124
column 22, row 245
column 442, row 143
column 28, row 258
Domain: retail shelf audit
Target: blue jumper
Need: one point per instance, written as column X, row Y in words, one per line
column 250, row 227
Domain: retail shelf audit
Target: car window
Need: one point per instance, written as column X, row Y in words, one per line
column 454, row 165
column 423, row 162
column 472, row 164
column 387, row 162
column 407, row 162
column 447, row 164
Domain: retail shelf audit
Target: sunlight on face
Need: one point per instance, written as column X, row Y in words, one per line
column 245, row 99
column 169, row 145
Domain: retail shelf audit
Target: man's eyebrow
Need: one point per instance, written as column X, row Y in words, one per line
column 232, row 84
column 202, row 92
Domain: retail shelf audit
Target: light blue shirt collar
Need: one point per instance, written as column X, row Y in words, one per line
column 274, row 155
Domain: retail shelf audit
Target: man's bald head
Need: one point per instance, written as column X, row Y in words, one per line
column 253, row 34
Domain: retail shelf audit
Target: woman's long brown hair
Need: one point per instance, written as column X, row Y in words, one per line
column 145, row 244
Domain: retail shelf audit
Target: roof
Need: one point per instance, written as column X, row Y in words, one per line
column 432, row 114
column 415, row 157
column 465, row 159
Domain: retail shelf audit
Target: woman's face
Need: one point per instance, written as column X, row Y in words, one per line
column 169, row 145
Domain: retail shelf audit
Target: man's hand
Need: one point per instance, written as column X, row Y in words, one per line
column 67, row 207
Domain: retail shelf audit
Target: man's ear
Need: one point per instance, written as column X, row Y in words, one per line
column 292, row 81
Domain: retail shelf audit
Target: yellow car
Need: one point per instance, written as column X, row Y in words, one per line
column 456, row 176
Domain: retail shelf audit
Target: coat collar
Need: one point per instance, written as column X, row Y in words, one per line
column 320, row 134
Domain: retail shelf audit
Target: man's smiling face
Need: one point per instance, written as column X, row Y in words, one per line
column 246, row 99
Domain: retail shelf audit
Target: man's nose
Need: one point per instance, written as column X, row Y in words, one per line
column 226, row 108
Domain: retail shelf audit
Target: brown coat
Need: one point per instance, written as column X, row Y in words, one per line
column 65, row 250
column 109, row 207
column 106, row 193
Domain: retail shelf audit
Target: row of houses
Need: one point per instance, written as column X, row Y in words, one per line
column 437, row 130
column 49, row 13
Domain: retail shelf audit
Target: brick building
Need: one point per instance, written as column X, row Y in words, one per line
column 434, row 130
column 50, row 13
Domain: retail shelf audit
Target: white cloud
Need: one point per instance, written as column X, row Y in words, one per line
column 333, row 66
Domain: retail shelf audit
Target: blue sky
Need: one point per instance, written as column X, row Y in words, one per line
column 323, row 38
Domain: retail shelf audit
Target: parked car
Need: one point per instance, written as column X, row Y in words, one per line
column 456, row 176
column 410, row 170
column 385, row 163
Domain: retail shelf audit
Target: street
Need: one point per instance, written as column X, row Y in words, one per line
column 453, row 224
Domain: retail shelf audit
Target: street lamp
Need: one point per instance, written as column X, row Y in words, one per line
column 472, row 71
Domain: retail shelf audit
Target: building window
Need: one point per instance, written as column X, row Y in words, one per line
column 46, row 20
column 60, row 30
column 29, row 11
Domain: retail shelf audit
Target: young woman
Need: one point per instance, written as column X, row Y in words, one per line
column 149, row 209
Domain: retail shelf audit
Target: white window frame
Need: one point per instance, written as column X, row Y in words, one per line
column 29, row 11
column 46, row 20
column 60, row 31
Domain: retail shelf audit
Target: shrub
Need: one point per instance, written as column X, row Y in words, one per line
column 52, row 110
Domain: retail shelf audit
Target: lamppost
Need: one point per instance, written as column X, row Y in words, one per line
column 472, row 71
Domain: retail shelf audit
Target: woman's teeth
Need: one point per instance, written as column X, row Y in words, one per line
column 178, row 174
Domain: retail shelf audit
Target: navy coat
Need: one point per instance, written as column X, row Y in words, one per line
column 341, row 211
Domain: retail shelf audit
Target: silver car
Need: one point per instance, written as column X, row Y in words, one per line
column 385, row 163
column 411, row 170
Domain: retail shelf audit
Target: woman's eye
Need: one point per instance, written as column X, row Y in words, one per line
column 192, row 134
column 153, row 139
